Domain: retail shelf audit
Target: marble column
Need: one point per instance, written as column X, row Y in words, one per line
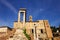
column 19, row 16
column 35, row 33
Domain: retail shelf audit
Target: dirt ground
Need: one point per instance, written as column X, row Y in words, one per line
column 57, row 38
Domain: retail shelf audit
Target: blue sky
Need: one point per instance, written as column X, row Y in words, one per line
column 39, row 9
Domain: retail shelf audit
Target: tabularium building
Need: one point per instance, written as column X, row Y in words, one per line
column 37, row 30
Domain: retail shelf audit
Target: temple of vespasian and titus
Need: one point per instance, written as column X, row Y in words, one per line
column 37, row 30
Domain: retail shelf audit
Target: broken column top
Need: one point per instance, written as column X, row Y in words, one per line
column 23, row 9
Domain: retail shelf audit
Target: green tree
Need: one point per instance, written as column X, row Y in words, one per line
column 28, row 37
column 59, row 28
column 54, row 29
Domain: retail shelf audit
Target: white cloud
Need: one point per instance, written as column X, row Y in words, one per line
column 41, row 9
column 8, row 5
